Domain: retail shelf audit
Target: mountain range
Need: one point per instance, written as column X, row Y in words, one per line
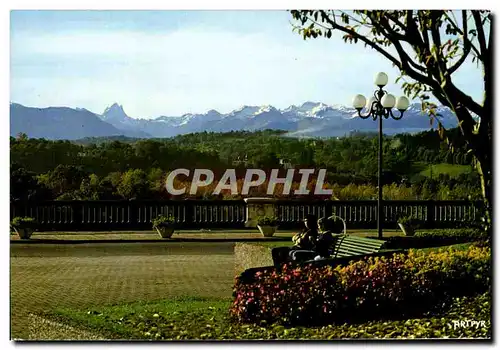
column 310, row 119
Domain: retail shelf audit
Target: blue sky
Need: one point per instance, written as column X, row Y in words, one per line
column 174, row 62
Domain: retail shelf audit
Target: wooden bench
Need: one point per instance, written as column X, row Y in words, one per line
column 347, row 248
column 347, row 245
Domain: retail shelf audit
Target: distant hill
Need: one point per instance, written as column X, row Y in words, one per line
column 61, row 123
column 311, row 119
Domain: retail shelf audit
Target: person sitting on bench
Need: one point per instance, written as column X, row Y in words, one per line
column 303, row 241
column 331, row 229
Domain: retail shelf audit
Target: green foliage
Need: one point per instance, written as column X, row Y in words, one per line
column 23, row 184
column 471, row 234
column 23, row 222
column 163, row 221
column 64, row 179
column 372, row 288
column 453, row 170
column 136, row 169
column 410, row 221
column 267, row 221
column 133, row 184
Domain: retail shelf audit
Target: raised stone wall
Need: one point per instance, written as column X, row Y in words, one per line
column 247, row 255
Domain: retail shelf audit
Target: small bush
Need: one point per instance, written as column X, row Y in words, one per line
column 267, row 221
column 435, row 238
column 410, row 221
column 376, row 287
column 163, row 221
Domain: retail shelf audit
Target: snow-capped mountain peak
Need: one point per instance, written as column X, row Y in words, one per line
column 114, row 108
column 212, row 112
column 265, row 109
column 115, row 112
column 309, row 119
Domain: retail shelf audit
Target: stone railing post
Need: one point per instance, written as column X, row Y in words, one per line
column 259, row 206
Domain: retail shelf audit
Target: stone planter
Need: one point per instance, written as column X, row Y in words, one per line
column 407, row 230
column 258, row 206
column 165, row 231
column 267, row 231
column 24, row 233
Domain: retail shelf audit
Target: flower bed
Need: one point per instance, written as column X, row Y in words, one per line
column 373, row 288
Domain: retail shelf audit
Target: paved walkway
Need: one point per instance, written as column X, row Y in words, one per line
column 45, row 277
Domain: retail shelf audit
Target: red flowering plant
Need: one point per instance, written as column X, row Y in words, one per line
column 375, row 287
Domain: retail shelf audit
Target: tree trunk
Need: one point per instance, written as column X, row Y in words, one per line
column 481, row 145
column 483, row 155
column 484, row 169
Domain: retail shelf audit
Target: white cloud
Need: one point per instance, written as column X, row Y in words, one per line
column 189, row 70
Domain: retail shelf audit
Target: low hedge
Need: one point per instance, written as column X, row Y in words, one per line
column 470, row 234
column 433, row 238
column 373, row 288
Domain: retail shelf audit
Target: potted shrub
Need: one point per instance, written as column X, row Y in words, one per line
column 267, row 225
column 164, row 225
column 23, row 226
column 408, row 224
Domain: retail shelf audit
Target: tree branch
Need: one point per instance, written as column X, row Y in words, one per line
column 393, row 16
column 389, row 33
column 436, row 38
column 465, row 35
column 363, row 39
column 465, row 99
column 412, row 32
column 480, row 33
column 488, row 75
column 467, row 46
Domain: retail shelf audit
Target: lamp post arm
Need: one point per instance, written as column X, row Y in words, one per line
column 394, row 116
column 366, row 116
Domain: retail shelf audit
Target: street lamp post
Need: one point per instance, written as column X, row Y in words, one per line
column 378, row 106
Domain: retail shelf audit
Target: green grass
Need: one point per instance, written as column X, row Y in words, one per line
column 199, row 318
column 460, row 246
column 453, row 170
column 135, row 320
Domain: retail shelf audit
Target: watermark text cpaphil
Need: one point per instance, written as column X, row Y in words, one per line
column 252, row 178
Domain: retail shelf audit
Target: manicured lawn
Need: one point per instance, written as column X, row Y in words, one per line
column 453, row 170
column 202, row 318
